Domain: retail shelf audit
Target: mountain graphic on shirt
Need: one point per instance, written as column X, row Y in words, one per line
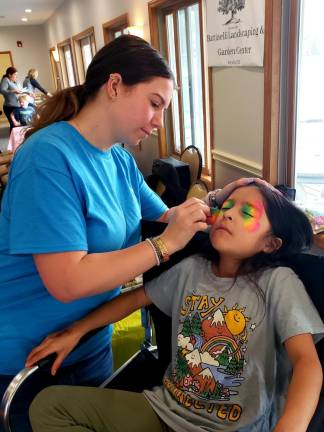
column 214, row 326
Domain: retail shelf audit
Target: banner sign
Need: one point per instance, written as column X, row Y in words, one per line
column 235, row 32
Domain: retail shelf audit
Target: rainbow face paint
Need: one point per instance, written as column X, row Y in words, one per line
column 228, row 204
column 214, row 213
column 252, row 213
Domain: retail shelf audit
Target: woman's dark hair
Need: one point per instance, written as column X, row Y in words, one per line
column 288, row 223
column 10, row 71
column 130, row 56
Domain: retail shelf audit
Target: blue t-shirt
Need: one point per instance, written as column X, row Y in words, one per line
column 63, row 195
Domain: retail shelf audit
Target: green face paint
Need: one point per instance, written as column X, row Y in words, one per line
column 252, row 213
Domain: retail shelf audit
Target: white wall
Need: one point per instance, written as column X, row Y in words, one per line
column 238, row 122
column 75, row 16
column 33, row 54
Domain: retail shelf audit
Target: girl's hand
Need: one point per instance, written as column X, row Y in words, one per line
column 61, row 342
column 184, row 221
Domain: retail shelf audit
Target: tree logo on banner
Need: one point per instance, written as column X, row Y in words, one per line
column 231, row 6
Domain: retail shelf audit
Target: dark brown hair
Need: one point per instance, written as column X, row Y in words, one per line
column 10, row 71
column 130, row 56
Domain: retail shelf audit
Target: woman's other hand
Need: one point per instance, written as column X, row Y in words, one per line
column 184, row 221
column 222, row 194
column 61, row 343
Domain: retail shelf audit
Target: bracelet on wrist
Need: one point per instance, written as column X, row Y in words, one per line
column 160, row 249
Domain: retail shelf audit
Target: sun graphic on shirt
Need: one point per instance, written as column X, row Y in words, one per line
column 235, row 320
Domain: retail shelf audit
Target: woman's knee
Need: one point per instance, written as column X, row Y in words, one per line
column 46, row 402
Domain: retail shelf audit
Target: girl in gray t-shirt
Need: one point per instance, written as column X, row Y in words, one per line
column 241, row 327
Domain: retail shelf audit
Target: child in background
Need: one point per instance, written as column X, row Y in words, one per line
column 240, row 325
column 23, row 115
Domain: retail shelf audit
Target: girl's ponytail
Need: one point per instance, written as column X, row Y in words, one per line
column 64, row 105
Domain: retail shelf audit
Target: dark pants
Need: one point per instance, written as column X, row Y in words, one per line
column 8, row 110
column 90, row 372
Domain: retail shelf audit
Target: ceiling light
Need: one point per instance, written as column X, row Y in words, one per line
column 28, row 10
column 24, row 19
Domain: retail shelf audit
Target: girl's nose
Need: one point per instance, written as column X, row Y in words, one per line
column 227, row 216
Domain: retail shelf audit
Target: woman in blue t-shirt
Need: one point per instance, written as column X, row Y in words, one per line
column 70, row 218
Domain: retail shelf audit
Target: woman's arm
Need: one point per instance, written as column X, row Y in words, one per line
column 305, row 385
column 72, row 275
column 64, row 342
column 36, row 84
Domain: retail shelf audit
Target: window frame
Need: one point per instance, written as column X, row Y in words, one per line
column 78, row 53
column 61, row 48
column 109, row 28
column 161, row 8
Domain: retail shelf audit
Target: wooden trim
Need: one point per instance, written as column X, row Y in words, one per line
column 168, row 6
column 211, row 122
column 52, row 60
column 292, row 91
column 253, row 168
column 272, row 53
column 205, row 89
column 179, row 83
column 88, row 32
column 60, row 47
column 10, row 55
column 120, row 22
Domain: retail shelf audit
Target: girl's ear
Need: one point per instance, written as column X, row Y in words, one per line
column 272, row 244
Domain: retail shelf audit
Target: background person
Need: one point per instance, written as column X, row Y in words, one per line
column 237, row 316
column 31, row 84
column 23, row 115
column 10, row 88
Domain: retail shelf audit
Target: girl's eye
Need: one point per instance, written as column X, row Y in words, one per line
column 155, row 104
column 227, row 205
column 246, row 213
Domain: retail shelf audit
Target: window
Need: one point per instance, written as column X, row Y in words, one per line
column 309, row 159
column 116, row 27
column 180, row 40
column 85, row 49
column 66, row 57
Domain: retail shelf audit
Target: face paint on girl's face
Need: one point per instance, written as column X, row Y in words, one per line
column 252, row 213
column 214, row 213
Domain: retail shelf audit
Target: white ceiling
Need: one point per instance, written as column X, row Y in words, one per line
column 14, row 10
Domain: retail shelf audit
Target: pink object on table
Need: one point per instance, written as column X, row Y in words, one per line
column 16, row 137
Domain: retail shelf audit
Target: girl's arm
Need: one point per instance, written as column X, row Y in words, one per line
column 13, row 119
column 72, row 275
column 64, row 341
column 305, row 385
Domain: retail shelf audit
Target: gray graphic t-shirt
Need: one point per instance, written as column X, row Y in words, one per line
column 229, row 368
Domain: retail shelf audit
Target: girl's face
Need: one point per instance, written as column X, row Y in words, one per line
column 13, row 77
column 242, row 228
column 140, row 108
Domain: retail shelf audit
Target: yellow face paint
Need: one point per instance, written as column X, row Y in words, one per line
column 252, row 213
